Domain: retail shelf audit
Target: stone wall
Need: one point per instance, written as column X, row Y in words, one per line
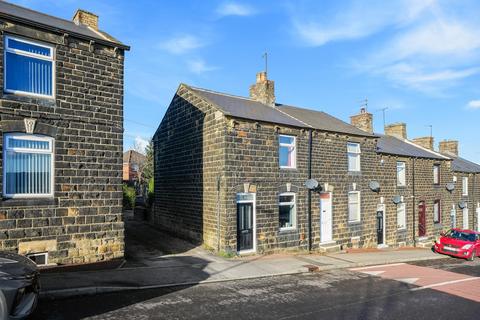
column 189, row 163
column 83, row 221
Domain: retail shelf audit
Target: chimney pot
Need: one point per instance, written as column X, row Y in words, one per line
column 363, row 121
column 398, row 130
column 86, row 18
column 449, row 147
column 263, row 90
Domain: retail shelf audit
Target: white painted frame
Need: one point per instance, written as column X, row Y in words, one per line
column 404, row 174
column 294, row 218
column 330, row 195
column 253, row 201
column 465, row 218
column 32, row 55
column 464, row 186
column 6, row 149
column 357, row 154
column 294, row 154
column 404, row 227
column 359, row 208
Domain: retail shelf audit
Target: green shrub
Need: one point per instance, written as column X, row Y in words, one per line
column 150, row 193
column 128, row 197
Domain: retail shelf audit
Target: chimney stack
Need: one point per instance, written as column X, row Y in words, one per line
column 426, row 142
column 449, row 147
column 263, row 90
column 86, row 18
column 397, row 130
column 363, row 121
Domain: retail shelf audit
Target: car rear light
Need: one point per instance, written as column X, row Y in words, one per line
column 467, row 246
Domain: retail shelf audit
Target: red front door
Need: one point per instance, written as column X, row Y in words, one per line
column 422, row 226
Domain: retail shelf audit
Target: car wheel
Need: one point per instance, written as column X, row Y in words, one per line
column 473, row 255
column 3, row 307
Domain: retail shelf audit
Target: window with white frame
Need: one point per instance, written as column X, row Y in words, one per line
column 287, row 211
column 353, row 152
column 436, row 211
column 354, row 206
column 465, row 186
column 27, row 166
column 436, row 174
column 29, row 67
column 401, row 176
column 287, row 151
column 401, row 216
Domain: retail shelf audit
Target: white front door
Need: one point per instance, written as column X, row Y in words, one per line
column 465, row 218
column 478, row 219
column 325, row 217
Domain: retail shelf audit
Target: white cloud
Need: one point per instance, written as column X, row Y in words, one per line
column 235, row 9
column 182, row 44
column 474, row 104
column 199, row 66
column 140, row 144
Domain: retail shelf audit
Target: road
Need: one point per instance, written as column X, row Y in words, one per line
column 440, row 289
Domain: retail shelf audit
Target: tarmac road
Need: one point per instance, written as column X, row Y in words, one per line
column 437, row 289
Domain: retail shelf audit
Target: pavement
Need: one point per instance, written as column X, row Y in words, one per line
column 156, row 260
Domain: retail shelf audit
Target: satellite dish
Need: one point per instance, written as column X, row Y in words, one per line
column 450, row 186
column 462, row 205
column 374, row 186
column 397, row 199
column 311, row 184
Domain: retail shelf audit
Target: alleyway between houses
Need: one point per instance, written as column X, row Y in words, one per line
column 155, row 259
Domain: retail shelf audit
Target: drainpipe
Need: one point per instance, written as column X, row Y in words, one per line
column 309, row 191
column 414, row 203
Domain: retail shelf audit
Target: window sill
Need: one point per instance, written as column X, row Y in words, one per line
column 44, row 101
column 403, row 229
column 354, row 173
column 354, row 222
column 288, row 168
column 287, row 230
column 28, row 202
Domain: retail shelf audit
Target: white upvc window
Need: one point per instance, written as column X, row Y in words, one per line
column 29, row 68
column 287, row 215
column 437, row 211
column 436, row 174
column 401, row 174
column 353, row 152
column 27, row 166
column 401, row 216
column 465, row 186
column 354, row 206
column 287, row 151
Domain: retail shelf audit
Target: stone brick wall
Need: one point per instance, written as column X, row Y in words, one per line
column 189, row 160
column 82, row 222
column 471, row 200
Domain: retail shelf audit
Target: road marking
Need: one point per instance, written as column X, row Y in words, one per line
column 378, row 266
column 443, row 283
column 408, row 280
column 374, row 273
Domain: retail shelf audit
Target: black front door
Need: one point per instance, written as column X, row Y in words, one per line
column 380, row 227
column 244, row 226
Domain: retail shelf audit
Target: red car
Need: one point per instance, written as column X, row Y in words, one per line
column 459, row 243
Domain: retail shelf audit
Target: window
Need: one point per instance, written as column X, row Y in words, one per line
column 465, row 186
column 401, row 181
column 436, row 174
column 436, row 211
column 28, row 166
column 29, row 67
column 354, row 206
column 401, row 216
column 353, row 151
column 287, row 151
column 286, row 211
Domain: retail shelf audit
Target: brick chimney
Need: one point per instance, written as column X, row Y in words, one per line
column 363, row 121
column 264, row 90
column 426, row 142
column 398, row 130
column 86, row 18
column 448, row 147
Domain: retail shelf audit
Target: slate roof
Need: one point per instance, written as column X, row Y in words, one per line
column 392, row 145
column 37, row 19
column 246, row 108
column 463, row 165
column 133, row 157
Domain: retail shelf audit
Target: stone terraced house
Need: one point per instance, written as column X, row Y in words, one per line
column 231, row 172
column 61, row 136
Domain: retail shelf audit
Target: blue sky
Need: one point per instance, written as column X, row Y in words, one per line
column 420, row 59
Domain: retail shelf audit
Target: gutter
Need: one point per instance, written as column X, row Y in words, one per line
column 62, row 31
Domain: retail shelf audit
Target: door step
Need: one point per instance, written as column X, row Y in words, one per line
column 329, row 247
column 424, row 242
